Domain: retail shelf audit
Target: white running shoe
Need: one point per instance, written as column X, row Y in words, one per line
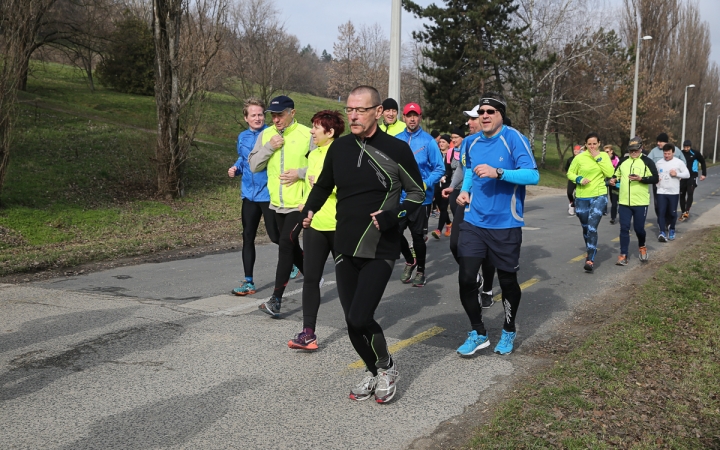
column 571, row 210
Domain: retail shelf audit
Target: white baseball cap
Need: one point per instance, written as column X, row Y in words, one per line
column 473, row 112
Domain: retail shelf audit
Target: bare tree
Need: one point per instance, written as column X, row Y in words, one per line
column 187, row 37
column 345, row 67
column 20, row 21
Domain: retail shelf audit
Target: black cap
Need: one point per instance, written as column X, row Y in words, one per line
column 663, row 137
column 390, row 103
column 445, row 137
column 280, row 104
column 635, row 143
column 434, row 133
column 687, row 143
column 458, row 131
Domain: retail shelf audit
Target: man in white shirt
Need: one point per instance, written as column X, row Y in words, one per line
column 670, row 171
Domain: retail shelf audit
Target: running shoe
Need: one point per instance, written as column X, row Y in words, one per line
column 622, row 260
column 247, row 288
column 419, row 280
column 643, row 254
column 662, row 237
column 436, row 234
column 571, row 210
column 385, row 383
column 473, row 343
column 684, row 216
column 486, row 299
column 612, row 221
column 588, row 266
column 407, row 272
column 448, row 230
column 507, row 341
column 294, row 272
column 671, row 236
column 271, row 307
column 365, row 389
column 305, row 340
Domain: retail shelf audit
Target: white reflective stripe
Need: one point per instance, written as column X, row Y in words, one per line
column 513, row 204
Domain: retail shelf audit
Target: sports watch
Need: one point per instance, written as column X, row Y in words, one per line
column 500, row 173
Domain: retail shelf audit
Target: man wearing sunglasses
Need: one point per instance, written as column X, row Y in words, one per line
column 499, row 164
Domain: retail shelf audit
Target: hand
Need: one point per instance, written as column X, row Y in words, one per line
column 634, row 177
column 231, row 172
column 485, row 171
column 463, row 198
column 442, row 180
column 446, row 192
column 673, row 173
column 276, row 142
column 300, row 207
column 613, row 181
column 311, row 179
column 702, row 177
column 308, row 220
column 585, row 181
column 289, row 177
column 374, row 219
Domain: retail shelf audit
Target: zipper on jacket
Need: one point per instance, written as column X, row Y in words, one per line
column 362, row 150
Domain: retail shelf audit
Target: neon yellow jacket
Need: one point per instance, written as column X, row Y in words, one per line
column 635, row 193
column 292, row 155
column 584, row 166
column 394, row 129
column 323, row 220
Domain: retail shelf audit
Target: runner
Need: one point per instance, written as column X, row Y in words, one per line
column 318, row 239
column 612, row 191
column 442, row 201
column 498, row 166
column 634, row 173
column 670, row 171
column 282, row 149
column 429, row 160
column 369, row 168
column 687, row 187
column 253, row 191
column 656, row 154
column 390, row 123
column 588, row 171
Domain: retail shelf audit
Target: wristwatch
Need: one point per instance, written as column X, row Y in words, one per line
column 500, row 173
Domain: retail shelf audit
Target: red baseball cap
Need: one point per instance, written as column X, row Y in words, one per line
column 412, row 107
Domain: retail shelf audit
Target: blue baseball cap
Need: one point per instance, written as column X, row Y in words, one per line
column 280, row 104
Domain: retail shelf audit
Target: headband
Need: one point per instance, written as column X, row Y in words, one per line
column 497, row 104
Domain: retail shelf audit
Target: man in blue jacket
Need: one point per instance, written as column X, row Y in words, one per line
column 429, row 159
column 254, row 193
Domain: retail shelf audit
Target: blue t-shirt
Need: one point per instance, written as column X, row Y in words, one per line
column 494, row 203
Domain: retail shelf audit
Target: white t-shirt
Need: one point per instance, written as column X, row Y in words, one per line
column 669, row 185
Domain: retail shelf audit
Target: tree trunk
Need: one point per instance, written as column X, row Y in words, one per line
column 532, row 125
column 557, row 145
column 546, row 127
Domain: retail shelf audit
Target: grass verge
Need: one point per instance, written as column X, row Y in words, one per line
column 651, row 380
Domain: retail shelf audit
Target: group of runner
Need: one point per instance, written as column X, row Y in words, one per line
column 355, row 195
column 594, row 175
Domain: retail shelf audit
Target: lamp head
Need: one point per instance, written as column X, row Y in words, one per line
column 690, row 86
column 646, row 38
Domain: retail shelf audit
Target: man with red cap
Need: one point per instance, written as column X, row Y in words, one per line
column 429, row 159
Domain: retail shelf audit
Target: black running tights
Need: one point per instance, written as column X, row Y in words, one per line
column 511, row 294
column 250, row 217
column 289, row 251
column 488, row 270
column 361, row 283
column 687, row 190
column 317, row 245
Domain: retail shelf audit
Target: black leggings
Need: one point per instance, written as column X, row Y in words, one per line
column 289, row 251
column 488, row 270
column 361, row 283
column 511, row 294
column 317, row 245
column 250, row 217
column 687, row 190
column 443, row 203
column 571, row 192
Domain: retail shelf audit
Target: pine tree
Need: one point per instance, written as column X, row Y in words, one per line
column 473, row 46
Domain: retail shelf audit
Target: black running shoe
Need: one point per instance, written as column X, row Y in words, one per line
column 486, row 300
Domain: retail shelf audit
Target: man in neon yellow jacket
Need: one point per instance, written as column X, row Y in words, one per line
column 282, row 149
column 390, row 123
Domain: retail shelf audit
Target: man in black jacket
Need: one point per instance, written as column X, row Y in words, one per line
column 370, row 169
column 693, row 159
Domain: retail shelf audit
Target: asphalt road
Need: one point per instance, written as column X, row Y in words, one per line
column 160, row 355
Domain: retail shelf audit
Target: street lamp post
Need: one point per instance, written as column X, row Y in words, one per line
column 394, row 70
column 633, row 123
column 717, row 123
column 702, row 133
column 685, row 111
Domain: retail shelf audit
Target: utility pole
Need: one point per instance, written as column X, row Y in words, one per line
column 395, row 25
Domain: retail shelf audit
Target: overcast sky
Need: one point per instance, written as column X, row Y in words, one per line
column 316, row 21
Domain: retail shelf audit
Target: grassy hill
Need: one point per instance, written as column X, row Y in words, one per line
column 80, row 182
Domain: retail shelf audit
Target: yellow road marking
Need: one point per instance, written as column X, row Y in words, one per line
column 523, row 286
column 402, row 344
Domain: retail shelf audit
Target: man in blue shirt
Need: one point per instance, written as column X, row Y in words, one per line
column 432, row 168
column 499, row 163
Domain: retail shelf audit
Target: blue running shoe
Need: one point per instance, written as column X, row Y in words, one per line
column 671, row 236
column 247, row 288
column 271, row 307
column 473, row 343
column 505, row 345
column 294, row 272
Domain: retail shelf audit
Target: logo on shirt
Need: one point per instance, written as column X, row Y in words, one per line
column 501, row 158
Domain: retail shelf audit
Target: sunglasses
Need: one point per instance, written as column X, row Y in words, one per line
column 489, row 112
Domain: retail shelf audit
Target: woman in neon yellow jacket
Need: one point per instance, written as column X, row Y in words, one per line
column 589, row 171
column 319, row 238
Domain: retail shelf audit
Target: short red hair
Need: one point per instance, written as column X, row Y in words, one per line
column 329, row 120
